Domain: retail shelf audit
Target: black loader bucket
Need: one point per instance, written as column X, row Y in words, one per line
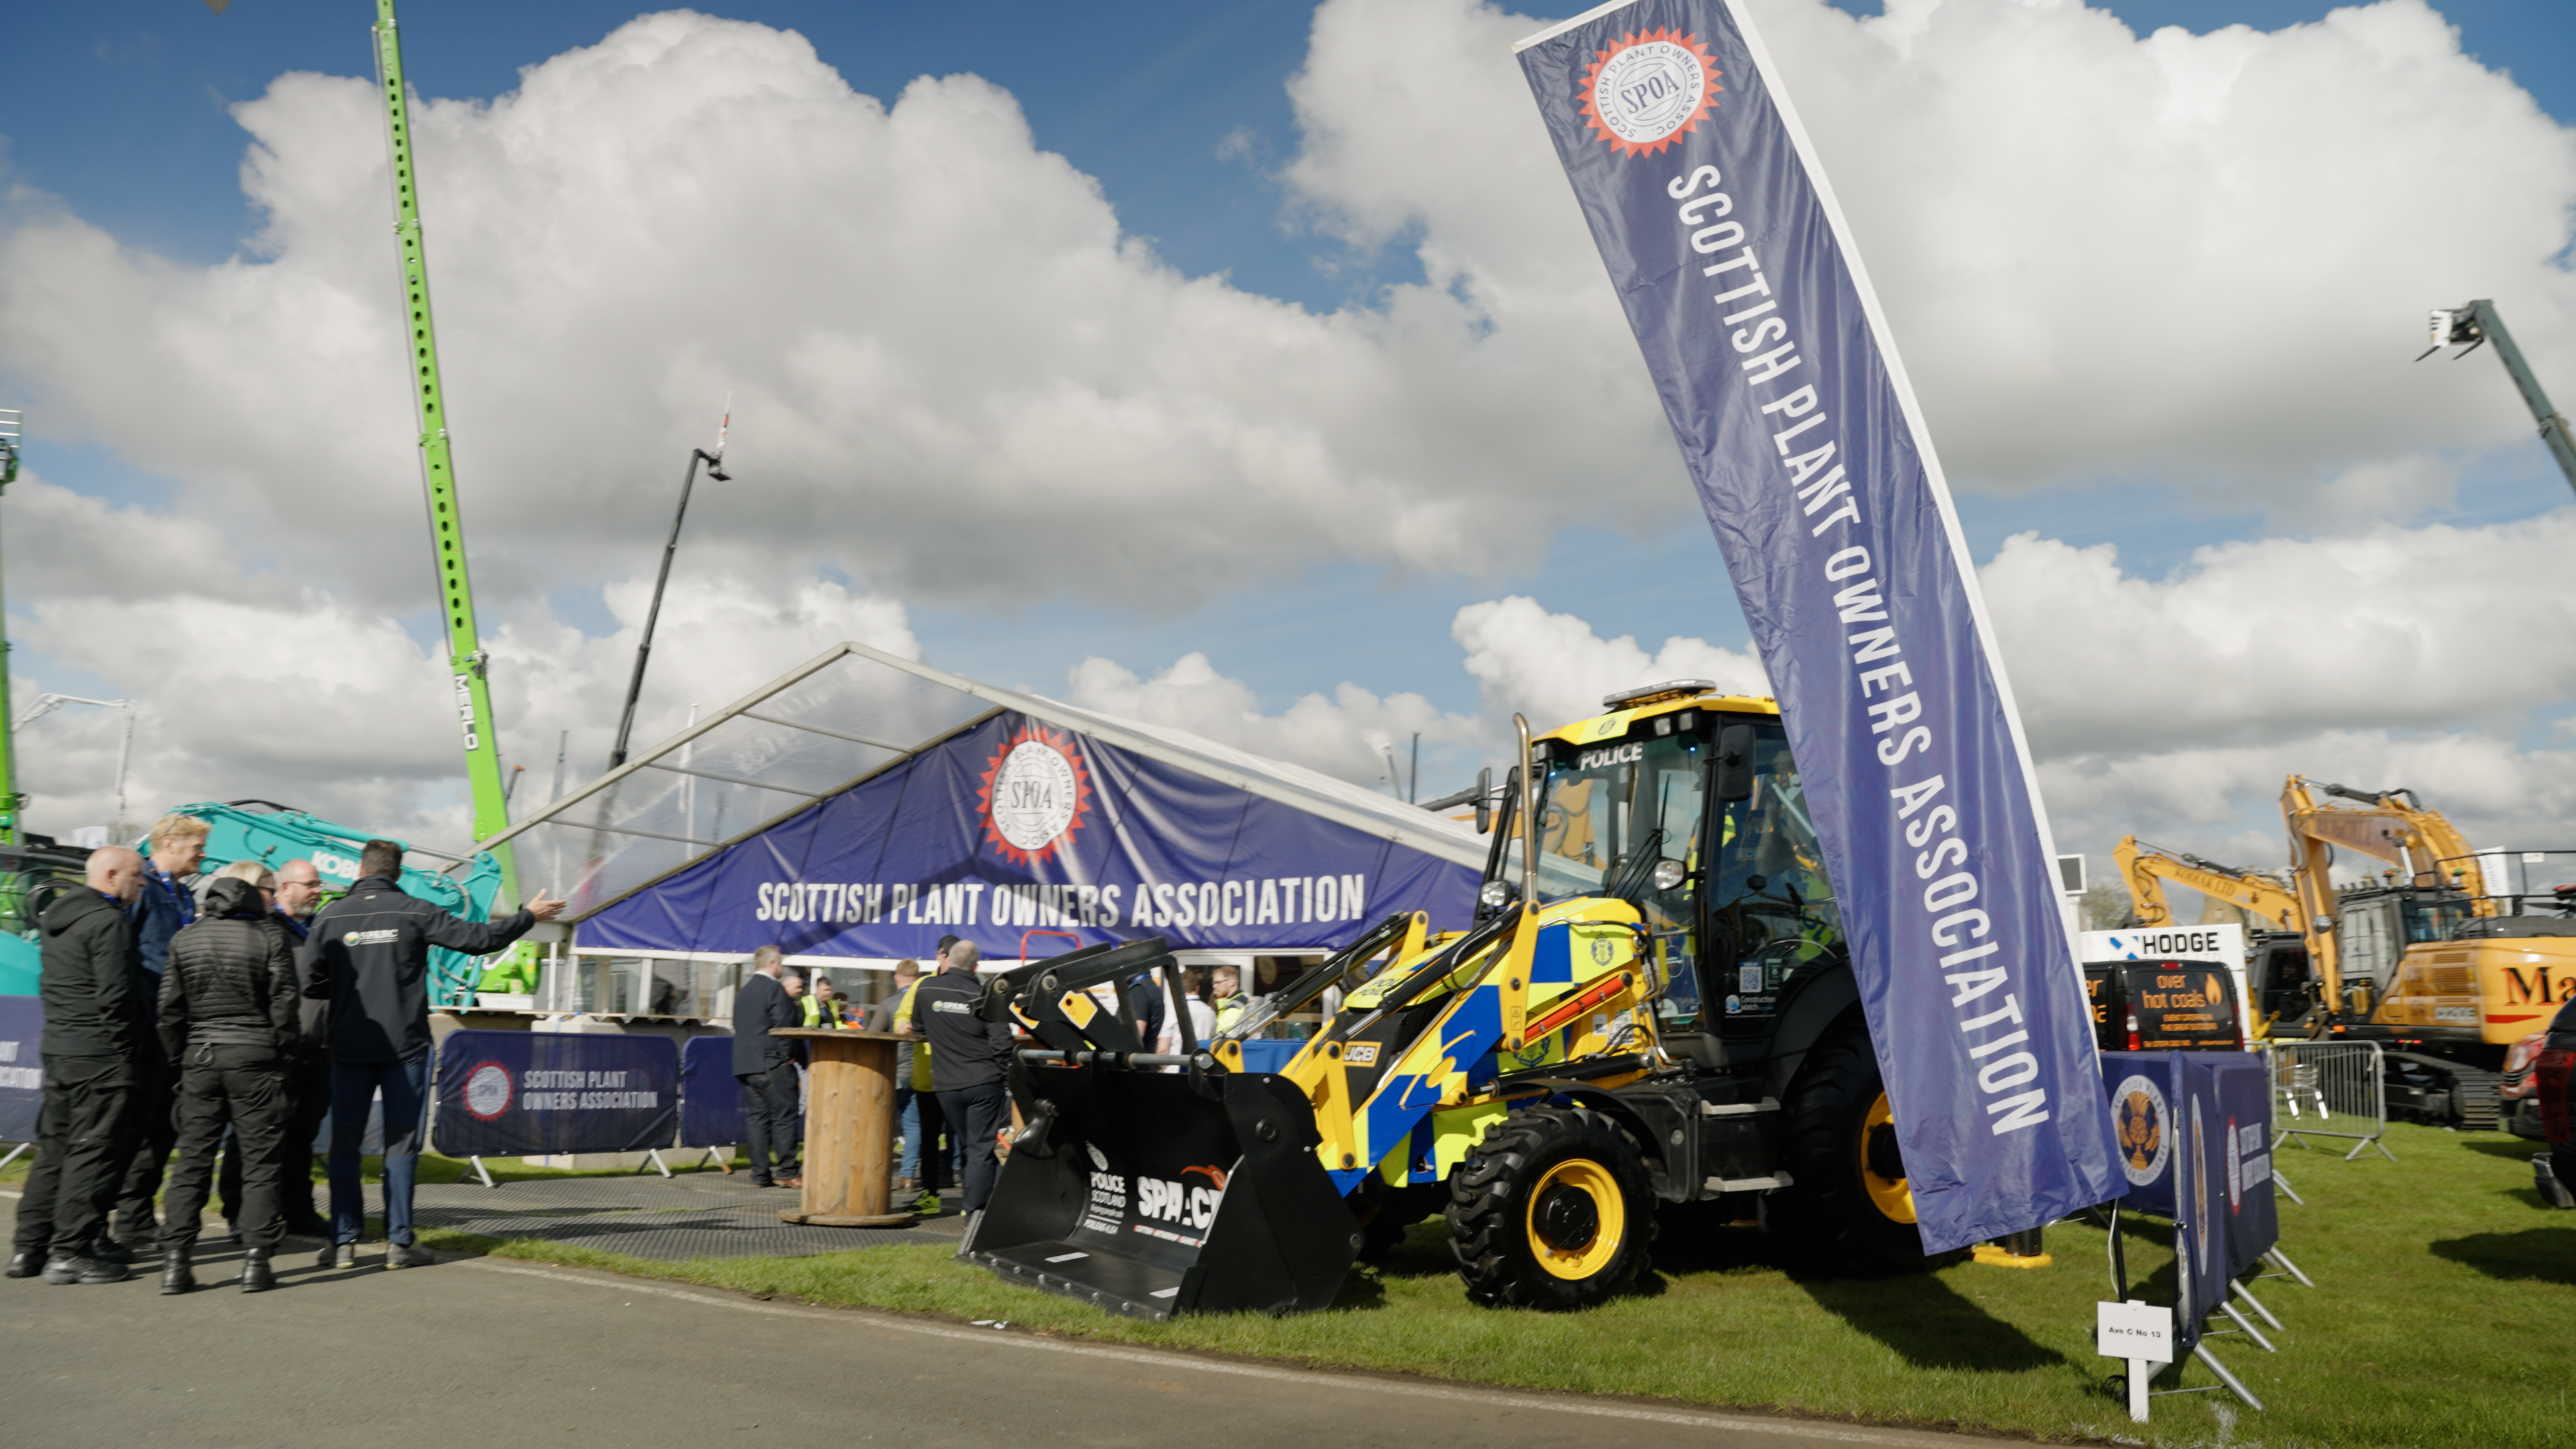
column 1148, row 1191
column 1152, row 1193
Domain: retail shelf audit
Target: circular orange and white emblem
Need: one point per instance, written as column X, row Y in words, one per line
column 1647, row 89
column 1036, row 792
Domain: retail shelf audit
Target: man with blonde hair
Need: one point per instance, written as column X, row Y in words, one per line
column 168, row 902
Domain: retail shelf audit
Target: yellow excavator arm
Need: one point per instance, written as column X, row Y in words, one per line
column 2145, row 869
column 2389, row 825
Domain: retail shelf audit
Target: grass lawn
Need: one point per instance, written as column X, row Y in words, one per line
column 2445, row 1299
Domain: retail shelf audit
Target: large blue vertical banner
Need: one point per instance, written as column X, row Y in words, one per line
column 1813, row 465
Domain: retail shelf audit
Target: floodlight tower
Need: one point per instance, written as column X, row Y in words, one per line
column 467, row 662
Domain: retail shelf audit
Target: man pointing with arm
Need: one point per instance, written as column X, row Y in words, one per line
column 368, row 952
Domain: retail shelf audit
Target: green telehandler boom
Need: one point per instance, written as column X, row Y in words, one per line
column 465, row 655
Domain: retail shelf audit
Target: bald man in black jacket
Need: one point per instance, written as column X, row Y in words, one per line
column 91, row 986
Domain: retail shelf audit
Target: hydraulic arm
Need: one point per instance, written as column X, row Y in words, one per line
column 2467, row 326
column 2146, row 868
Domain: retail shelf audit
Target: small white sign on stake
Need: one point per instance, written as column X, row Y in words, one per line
column 2143, row 1334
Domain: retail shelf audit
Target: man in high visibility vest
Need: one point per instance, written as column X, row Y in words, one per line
column 1230, row 1002
column 914, row 1102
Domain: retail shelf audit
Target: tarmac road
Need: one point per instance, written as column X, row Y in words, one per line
column 485, row 1350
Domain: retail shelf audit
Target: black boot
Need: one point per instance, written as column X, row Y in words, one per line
column 255, row 1275
column 82, row 1268
column 177, row 1276
column 26, row 1262
column 108, row 1250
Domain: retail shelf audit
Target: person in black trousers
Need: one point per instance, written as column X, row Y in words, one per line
column 308, row 1067
column 766, row 1068
column 93, row 1031
column 230, row 1012
column 166, row 902
column 969, row 1057
column 368, row 955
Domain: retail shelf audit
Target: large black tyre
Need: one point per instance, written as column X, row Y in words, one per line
column 1551, row 1210
column 1848, row 1205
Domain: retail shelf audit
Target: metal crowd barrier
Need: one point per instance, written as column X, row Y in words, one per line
column 2330, row 1089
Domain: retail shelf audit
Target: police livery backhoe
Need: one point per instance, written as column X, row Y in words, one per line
column 1653, row 1007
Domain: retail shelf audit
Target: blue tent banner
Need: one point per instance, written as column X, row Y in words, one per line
column 1013, row 825
column 1812, row 463
column 22, row 1067
column 527, row 1093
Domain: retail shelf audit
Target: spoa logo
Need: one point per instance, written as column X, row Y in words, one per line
column 1036, row 793
column 1647, row 89
column 2140, row 1114
column 487, row 1091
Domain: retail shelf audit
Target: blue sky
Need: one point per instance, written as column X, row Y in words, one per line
column 1181, row 113
column 1180, row 110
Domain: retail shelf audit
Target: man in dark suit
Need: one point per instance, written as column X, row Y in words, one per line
column 766, row 1068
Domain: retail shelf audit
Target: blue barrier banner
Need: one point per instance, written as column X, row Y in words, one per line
column 2242, row 1089
column 1797, row 425
column 528, row 1093
column 2143, row 1092
column 1014, row 828
column 710, row 1098
column 22, row 1068
column 2182, row 1155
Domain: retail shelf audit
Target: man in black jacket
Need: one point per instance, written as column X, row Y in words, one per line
column 308, row 1069
column 229, row 1011
column 969, row 1057
column 93, row 1030
column 766, row 1068
column 369, row 953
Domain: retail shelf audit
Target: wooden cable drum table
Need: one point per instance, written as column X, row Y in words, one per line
column 849, row 1128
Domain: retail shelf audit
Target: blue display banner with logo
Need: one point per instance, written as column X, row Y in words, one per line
column 710, row 1098
column 2194, row 1135
column 1812, row 463
column 1015, row 827
column 532, row 1093
column 22, row 1067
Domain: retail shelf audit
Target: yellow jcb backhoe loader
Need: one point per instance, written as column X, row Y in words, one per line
column 1653, row 1007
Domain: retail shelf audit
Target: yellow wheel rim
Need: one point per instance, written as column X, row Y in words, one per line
column 1576, row 1219
column 1893, row 1196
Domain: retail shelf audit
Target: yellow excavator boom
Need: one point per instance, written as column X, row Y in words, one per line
column 2146, row 868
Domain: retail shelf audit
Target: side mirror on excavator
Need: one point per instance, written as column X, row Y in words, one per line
column 1485, row 801
column 1735, row 763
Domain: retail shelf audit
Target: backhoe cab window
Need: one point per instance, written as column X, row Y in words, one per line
column 1771, row 909
column 1603, row 806
column 1609, row 811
